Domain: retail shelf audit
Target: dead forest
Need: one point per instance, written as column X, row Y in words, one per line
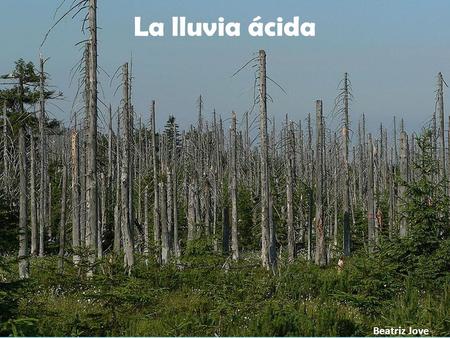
column 244, row 223
column 135, row 190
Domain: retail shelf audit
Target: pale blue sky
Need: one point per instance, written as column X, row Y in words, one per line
column 391, row 49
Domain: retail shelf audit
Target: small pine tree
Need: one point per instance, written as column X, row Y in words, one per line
column 427, row 205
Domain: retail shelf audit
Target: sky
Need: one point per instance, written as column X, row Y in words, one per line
column 392, row 51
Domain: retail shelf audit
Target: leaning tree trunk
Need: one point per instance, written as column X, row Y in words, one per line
column 23, row 234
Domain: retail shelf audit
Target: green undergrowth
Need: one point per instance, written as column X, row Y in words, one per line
column 205, row 294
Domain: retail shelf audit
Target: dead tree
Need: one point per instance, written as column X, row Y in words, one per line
column 33, row 209
column 62, row 222
column 233, row 192
column 370, row 197
column 320, row 250
column 91, row 144
column 75, row 195
column 346, row 200
column 164, row 224
column 267, row 257
column 5, row 149
column 42, row 158
column 440, row 108
column 23, row 233
column 310, row 189
column 125, row 176
column 146, row 244
column 156, row 215
column 289, row 192
column 403, row 180
column 110, row 147
column 176, row 245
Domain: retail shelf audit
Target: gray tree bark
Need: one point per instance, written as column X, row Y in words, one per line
column 233, row 192
column 268, row 260
column 75, row 196
column 62, row 223
column 33, row 216
column 91, row 145
column 320, row 250
column 23, row 234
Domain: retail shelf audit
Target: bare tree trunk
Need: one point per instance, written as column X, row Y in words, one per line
column 91, row 151
column 5, row 148
column 42, row 158
column 156, row 215
column 146, row 244
column 404, row 180
column 320, row 252
column 62, row 223
column 310, row 190
column 191, row 213
column 49, row 212
column 440, row 107
column 23, row 234
column 34, row 230
column 125, row 177
column 102, row 213
column 75, row 196
column 117, row 206
column 110, row 146
column 233, row 191
column 268, row 261
column 169, row 188
column 289, row 193
column 346, row 200
column 176, row 245
column 164, row 227
column 370, row 198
